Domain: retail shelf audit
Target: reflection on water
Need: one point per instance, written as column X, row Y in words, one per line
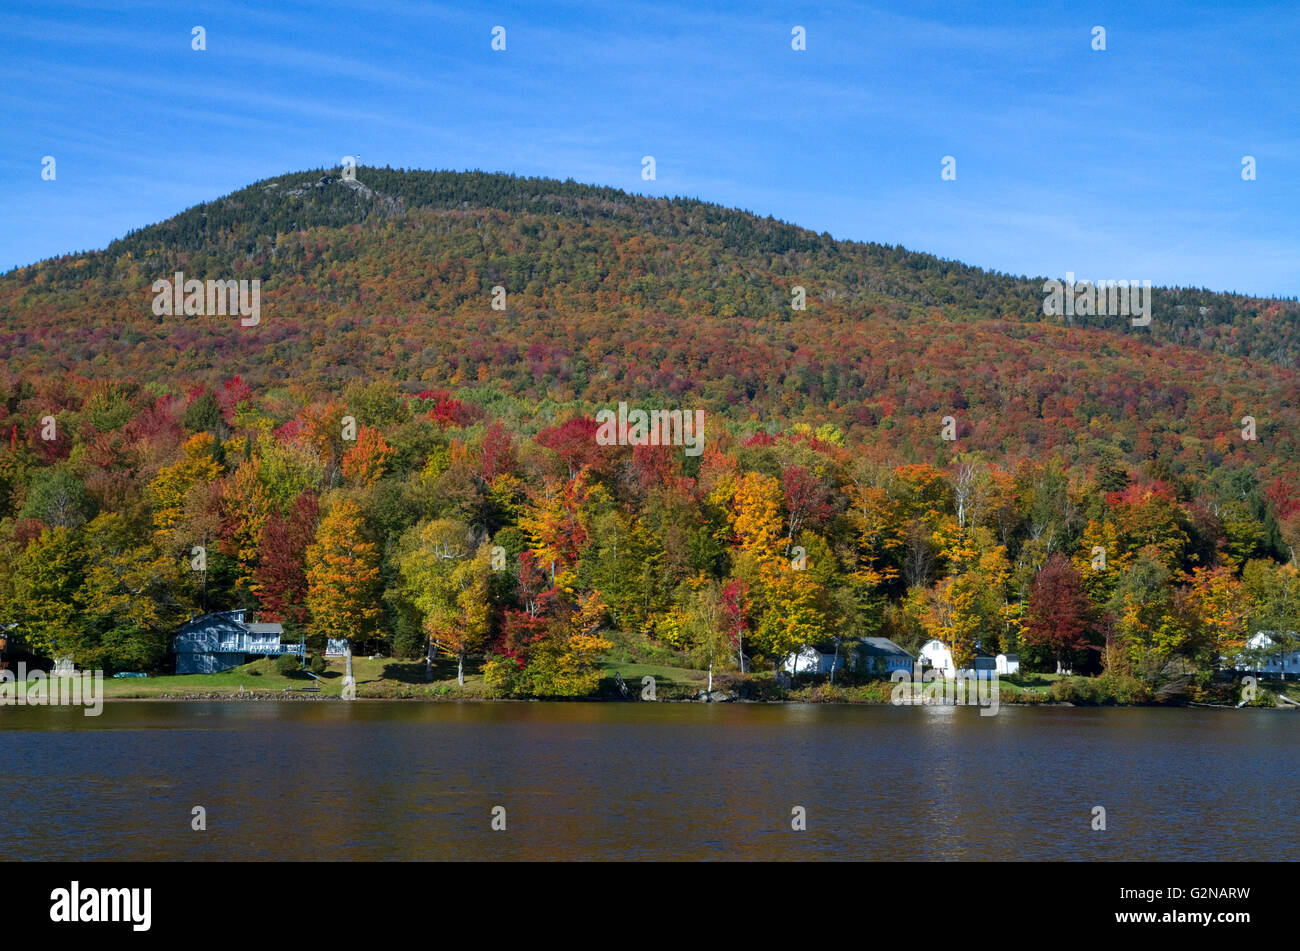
column 376, row 780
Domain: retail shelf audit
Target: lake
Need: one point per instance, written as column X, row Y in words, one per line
column 400, row 780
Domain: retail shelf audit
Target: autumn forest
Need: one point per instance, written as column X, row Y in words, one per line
column 403, row 452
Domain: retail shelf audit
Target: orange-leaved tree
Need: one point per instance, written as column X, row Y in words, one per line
column 343, row 576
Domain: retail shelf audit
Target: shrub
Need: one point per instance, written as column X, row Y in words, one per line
column 286, row 664
column 1079, row 690
column 1120, row 688
column 317, row 664
column 499, row 675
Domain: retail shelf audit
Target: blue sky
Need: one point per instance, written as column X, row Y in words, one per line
column 1117, row 164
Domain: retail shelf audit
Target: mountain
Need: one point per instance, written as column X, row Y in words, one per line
column 615, row 297
column 405, row 445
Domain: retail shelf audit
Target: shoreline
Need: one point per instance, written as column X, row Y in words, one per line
column 275, row 697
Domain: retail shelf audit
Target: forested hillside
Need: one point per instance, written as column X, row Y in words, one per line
column 470, row 503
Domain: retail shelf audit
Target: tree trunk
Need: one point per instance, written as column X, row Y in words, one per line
column 460, row 669
column 428, row 661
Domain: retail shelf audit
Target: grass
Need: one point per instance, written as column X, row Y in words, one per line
column 671, row 683
column 386, row 677
column 394, row 678
column 1033, row 684
column 662, row 673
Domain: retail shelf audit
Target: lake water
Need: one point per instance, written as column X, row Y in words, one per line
column 385, row 780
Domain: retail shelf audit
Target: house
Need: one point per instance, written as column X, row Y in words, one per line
column 880, row 655
column 219, row 641
column 937, row 655
column 336, row 646
column 1008, row 663
column 814, row 659
column 864, row 655
column 1265, row 656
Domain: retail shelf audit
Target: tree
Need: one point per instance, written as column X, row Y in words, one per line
column 127, row 613
column 807, row 501
column 1059, row 612
column 246, row 506
column 1148, row 516
column 58, row 498
column 46, row 579
column 707, row 621
column 448, row 582
column 365, row 463
column 280, row 578
column 168, row 490
column 343, row 576
column 1221, row 607
column 566, row 661
column 556, row 521
column 735, row 612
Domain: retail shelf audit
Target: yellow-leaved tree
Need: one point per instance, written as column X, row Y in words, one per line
column 1222, row 608
column 168, row 491
column 343, row 582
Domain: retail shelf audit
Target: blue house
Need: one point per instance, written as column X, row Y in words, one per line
column 866, row 655
column 216, row 642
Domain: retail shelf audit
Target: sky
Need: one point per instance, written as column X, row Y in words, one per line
column 1122, row 163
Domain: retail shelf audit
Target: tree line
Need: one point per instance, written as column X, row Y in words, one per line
column 426, row 522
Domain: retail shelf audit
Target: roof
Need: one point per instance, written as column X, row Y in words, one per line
column 820, row 647
column 1010, row 656
column 881, row 647
column 979, row 651
column 260, row 627
column 226, row 618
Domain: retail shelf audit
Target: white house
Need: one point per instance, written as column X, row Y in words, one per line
column 813, row 659
column 936, row 654
column 1008, row 663
column 1267, row 657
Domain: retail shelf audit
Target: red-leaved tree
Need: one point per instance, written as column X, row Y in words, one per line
column 1060, row 614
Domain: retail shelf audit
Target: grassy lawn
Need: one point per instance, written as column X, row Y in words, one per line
column 671, row 683
column 663, row 675
column 1038, row 684
column 386, row 677
column 392, row 678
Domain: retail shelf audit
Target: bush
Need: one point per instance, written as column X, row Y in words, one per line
column 1120, row 688
column 750, row 686
column 286, row 664
column 1079, row 690
column 499, row 676
column 1108, row 688
column 317, row 664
